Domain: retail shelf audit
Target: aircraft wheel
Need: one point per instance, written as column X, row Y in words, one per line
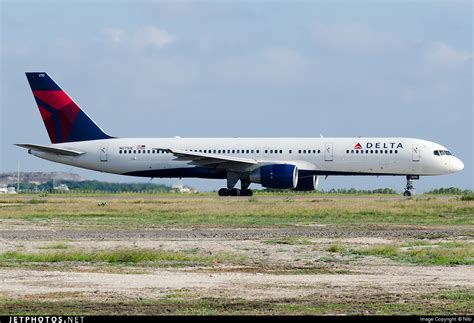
column 407, row 193
column 246, row 192
column 234, row 192
column 223, row 192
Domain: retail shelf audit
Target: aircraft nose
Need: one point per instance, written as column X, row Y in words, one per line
column 458, row 165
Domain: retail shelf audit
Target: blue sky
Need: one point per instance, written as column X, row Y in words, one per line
column 241, row 68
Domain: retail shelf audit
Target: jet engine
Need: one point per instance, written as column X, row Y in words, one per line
column 309, row 183
column 279, row 176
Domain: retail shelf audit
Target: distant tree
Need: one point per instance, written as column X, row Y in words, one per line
column 449, row 191
column 97, row 186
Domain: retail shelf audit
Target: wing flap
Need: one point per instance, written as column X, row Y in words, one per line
column 52, row 150
column 204, row 159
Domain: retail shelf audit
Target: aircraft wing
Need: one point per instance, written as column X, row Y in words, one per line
column 51, row 150
column 210, row 160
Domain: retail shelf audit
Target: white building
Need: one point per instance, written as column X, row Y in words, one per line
column 4, row 189
column 179, row 188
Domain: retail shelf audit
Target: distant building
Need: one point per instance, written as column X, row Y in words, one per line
column 4, row 189
column 179, row 188
column 39, row 177
column 61, row 188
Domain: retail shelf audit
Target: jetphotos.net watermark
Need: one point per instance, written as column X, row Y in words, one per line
column 46, row 319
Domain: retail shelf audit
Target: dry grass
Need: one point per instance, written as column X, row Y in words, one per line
column 425, row 253
column 121, row 256
column 149, row 210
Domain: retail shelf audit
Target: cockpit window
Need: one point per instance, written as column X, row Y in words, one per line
column 442, row 153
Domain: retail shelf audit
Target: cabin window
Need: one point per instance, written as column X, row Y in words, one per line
column 352, row 151
column 396, row 151
column 371, row 151
column 281, row 151
column 357, row 151
column 299, row 151
column 134, row 151
column 290, row 151
column 347, row 151
column 120, row 151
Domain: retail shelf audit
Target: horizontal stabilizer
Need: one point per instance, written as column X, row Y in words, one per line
column 51, row 150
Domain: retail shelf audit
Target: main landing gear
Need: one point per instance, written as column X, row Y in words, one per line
column 409, row 188
column 235, row 192
column 232, row 179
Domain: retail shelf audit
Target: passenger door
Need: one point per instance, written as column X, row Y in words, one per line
column 103, row 153
column 415, row 150
column 328, row 152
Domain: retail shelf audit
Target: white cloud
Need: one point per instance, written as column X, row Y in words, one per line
column 153, row 36
column 271, row 65
column 113, row 34
column 147, row 36
column 440, row 54
column 353, row 37
column 283, row 57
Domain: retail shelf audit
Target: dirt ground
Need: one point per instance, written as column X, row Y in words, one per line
column 368, row 277
column 293, row 266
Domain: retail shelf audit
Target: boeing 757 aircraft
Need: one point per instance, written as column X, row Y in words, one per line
column 277, row 163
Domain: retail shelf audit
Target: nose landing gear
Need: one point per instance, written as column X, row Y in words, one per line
column 409, row 188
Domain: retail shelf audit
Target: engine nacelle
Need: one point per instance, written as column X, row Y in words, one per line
column 279, row 176
column 309, row 183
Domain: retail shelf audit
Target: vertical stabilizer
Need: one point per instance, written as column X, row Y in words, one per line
column 63, row 118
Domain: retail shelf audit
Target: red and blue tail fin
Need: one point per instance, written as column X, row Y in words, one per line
column 63, row 118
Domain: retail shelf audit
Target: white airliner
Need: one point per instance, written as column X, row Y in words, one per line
column 279, row 163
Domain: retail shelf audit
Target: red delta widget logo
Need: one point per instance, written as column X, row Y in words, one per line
column 378, row 145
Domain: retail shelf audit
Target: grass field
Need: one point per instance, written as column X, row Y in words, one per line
column 268, row 254
column 141, row 211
